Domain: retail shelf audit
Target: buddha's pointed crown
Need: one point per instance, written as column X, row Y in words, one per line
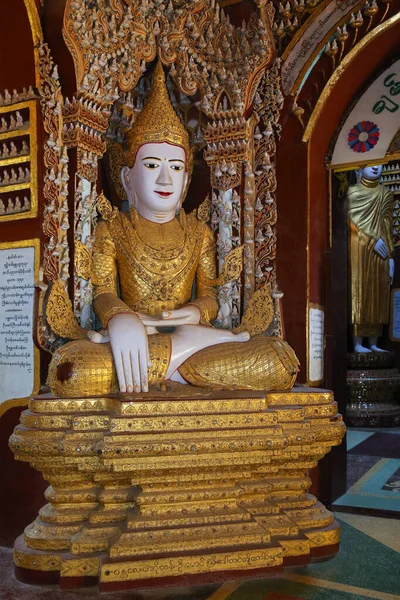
column 158, row 121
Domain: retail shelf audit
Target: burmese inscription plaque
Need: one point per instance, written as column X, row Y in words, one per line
column 316, row 345
column 17, row 369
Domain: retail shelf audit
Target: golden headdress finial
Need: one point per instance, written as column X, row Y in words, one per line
column 158, row 122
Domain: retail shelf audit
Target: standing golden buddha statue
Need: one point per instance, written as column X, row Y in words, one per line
column 164, row 264
column 371, row 251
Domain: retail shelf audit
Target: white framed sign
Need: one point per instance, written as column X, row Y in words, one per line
column 19, row 359
column 316, row 336
column 395, row 315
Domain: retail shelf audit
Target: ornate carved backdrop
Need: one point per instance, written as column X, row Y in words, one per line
column 223, row 75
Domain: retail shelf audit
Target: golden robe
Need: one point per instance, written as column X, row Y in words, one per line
column 370, row 214
column 155, row 265
column 146, row 267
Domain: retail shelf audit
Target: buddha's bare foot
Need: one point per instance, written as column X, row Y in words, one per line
column 224, row 335
column 375, row 348
column 361, row 349
column 209, row 336
column 189, row 339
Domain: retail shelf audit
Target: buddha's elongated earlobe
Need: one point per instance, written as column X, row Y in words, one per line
column 124, row 174
column 127, row 185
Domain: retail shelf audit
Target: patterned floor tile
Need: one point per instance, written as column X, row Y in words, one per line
column 368, row 491
column 358, row 466
column 281, row 596
column 355, row 437
column 393, row 483
column 385, row 531
column 364, row 568
column 384, row 445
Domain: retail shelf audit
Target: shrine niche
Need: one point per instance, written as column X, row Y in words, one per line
column 204, row 64
column 188, row 455
column 18, row 156
column 373, row 380
column 369, row 196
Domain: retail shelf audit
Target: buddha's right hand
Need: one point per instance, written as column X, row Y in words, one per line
column 381, row 248
column 128, row 338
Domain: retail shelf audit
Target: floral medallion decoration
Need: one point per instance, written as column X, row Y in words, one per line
column 363, row 136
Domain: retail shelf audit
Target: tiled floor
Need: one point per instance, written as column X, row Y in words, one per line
column 356, row 436
column 373, row 471
column 366, row 567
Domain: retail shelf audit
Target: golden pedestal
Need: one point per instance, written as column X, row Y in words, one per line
column 185, row 486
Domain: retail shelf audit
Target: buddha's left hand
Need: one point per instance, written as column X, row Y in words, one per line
column 188, row 315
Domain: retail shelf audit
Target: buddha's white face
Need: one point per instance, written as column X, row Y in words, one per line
column 372, row 173
column 157, row 181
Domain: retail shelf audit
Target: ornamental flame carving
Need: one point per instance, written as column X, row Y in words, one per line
column 55, row 220
column 269, row 102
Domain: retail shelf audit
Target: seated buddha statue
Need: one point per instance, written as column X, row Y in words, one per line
column 155, row 268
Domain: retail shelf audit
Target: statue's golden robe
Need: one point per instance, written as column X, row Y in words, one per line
column 156, row 264
column 146, row 267
column 370, row 213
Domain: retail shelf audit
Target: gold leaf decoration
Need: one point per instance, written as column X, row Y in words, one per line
column 231, row 269
column 116, row 162
column 203, row 211
column 344, row 184
column 259, row 312
column 83, row 260
column 105, row 208
column 233, row 265
column 59, row 314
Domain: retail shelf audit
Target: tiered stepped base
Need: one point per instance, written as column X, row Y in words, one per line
column 184, row 486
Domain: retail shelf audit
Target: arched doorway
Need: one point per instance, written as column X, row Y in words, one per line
column 311, row 231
